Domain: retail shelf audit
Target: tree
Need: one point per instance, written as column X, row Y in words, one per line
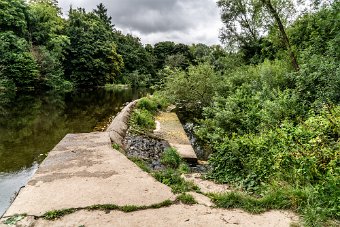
column 13, row 14
column 161, row 51
column 16, row 60
column 101, row 12
column 275, row 14
column 91, row 58
column 246, row 21
column 135, row 56
column 45, row 22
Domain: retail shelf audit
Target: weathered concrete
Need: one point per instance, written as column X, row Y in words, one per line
column 170, row 129
column 176, row 215
column 84, row 170
column 119, row 125
column 206, row 186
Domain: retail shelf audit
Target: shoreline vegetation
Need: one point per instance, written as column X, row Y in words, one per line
column 266, row 105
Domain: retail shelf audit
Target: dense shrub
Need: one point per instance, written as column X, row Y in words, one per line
column 193, row 88
column 171, row 158
column 142, row 120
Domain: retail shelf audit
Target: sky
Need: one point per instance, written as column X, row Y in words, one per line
column 181, row 21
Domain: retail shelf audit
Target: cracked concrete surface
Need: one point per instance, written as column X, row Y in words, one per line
column 175, row 215
column 83, row 170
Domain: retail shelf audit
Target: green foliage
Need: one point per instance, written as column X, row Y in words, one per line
column 92, row 59
column 14, row 219
column 138, row 63
column 50, row 70
column 116, row 146
column 170, row 158
column 194, row 88
column 16, row 61
column 186, row 199
column 142, row 120
column 141, row 164
column 13, row 14
column 45, row 22
column 55, row 214
column 308, row 201
column 148, row 104
column 173, row 179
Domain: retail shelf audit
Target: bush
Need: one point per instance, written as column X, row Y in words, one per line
column 142, row 120
column 148, row 104
column 170, row 158
column 194, row 88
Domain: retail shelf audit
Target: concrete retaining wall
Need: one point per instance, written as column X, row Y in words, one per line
column 119, row 125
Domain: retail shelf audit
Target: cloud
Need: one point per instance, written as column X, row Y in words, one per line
column 186, row 21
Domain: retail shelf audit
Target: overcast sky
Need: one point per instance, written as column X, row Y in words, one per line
column 185, row 21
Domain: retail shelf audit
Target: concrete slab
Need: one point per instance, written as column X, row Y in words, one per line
column 206, row 186
column 176, row 215
column 84, row 170
column 170, row 129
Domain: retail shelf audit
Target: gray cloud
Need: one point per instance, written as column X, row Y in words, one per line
column 185, row 21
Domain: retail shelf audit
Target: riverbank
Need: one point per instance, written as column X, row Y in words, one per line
column 112, row 190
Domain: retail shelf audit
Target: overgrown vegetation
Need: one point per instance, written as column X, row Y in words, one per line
column 186, row 199
column 271, row 122
column 142, row 119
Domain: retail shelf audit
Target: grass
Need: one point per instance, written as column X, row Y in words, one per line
column 186, row 199
column 173, row 179
column 56, row 214
column 299, row 200
column 142, row 120
column 170, row 158
column 116, row 146
column 141, row 164
column 14, row 219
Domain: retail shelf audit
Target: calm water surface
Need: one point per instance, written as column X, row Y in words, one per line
column 31, row 125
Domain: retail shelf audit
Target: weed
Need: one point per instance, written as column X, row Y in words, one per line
column 141, row 164
column 104, row 207
column 173, row 179
column 142, row 120
column 55, row 214
column 131, row 208
column 186, row 199
column 171, row 158
column 116, row 146
column 166, row 203
column 14, row 219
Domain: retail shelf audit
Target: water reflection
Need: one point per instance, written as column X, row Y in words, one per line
column 31, row 125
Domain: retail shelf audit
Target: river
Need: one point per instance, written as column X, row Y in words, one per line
column 32, row 124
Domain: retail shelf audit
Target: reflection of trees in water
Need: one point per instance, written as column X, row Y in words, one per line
column 31, row 125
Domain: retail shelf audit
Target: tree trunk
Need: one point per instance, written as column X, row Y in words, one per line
column 285, row 38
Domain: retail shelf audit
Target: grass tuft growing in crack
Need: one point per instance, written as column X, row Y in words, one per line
column 14, row 219
column 140, row 163
column 186, row 199
column 56, row 214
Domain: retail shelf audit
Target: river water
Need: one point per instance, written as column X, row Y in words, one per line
column 31, row 125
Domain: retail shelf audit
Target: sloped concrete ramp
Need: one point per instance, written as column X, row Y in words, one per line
column 170, row 129
column 84, row 170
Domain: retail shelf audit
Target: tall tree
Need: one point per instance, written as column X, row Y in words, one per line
column 247, row 20
column 275, row 14
column 92, row 59
column 13, row 14
column 101, row 12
